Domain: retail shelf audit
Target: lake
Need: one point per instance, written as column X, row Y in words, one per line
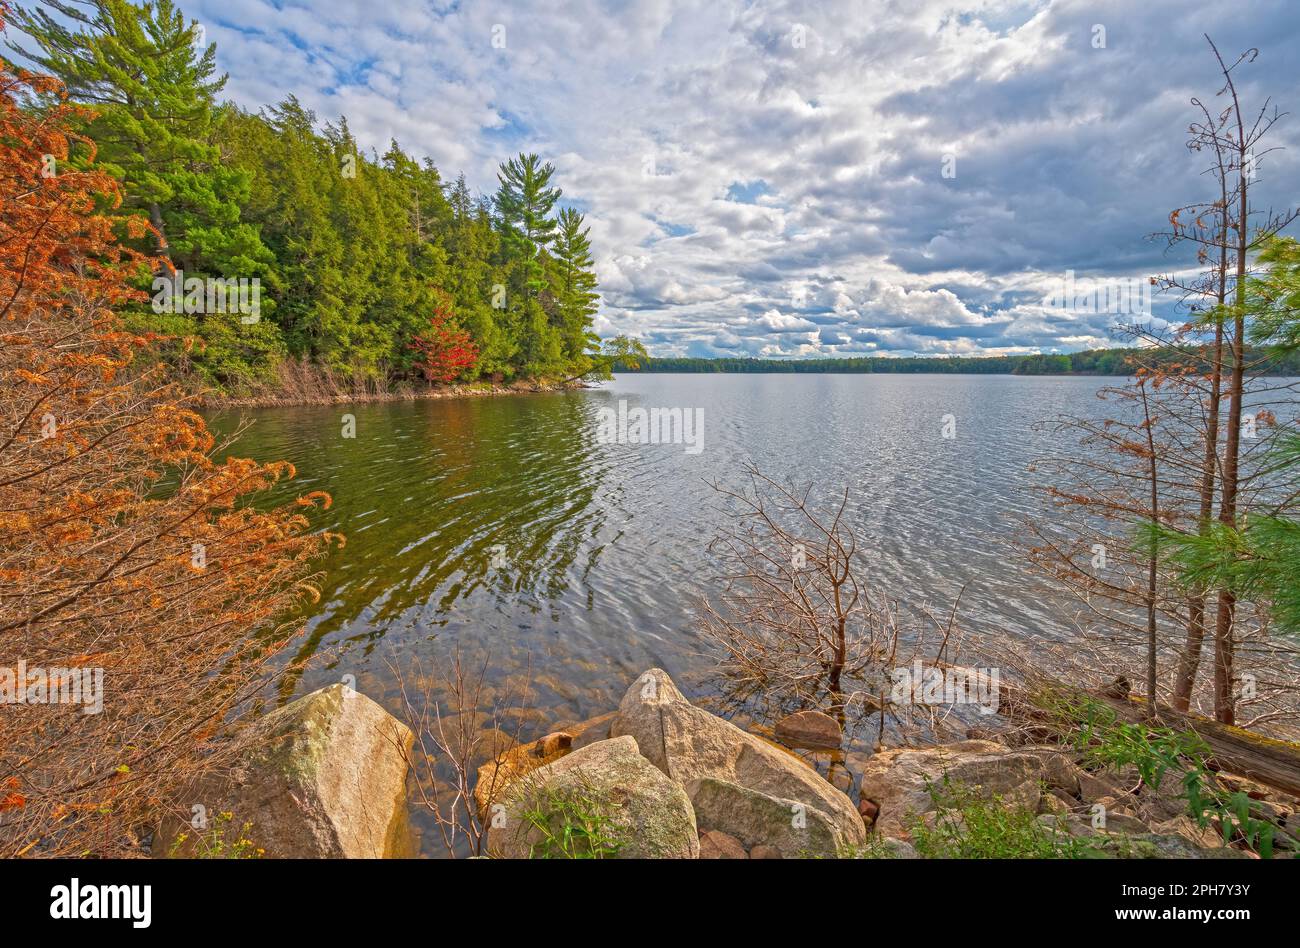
column 505, row 526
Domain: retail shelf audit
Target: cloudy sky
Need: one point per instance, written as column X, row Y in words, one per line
column 805, row 179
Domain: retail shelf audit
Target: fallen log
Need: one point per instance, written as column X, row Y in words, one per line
column 1265, row 760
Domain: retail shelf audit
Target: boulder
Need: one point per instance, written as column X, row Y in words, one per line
column 592, row 730
column 1059, row 771
column 881, row 847
column 892, row 848
column 1115, row 806
column 1114, row 822
column 1095, row 786
column 717, row 845
column 688, row 744
column 489, row 744
column 323, row 777
column 1159, row 806
column 1054, row 802
column 756, row 819
column 638, row 810
column 1206, row 837
column 1157, row 846
column 900, row 781
column 1136, row 841
column 868, row 810
column 811, row 729
column 765, row 852
column 494, row 776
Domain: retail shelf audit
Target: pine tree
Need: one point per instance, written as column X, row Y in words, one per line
column 154, row 93
column 524, row 202
column 1257, row 557
column 157, row 126
column 575, row 287
column 294, row 174
column 471, row 246
column 352, row 249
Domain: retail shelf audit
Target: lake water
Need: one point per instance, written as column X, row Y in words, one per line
column 504, row 525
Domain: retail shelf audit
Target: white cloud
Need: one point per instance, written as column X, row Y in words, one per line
column 746, row 193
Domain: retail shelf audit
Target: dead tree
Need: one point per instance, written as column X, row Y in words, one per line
column 797, row 622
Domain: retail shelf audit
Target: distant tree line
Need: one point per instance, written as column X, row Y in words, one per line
column 1117, row 362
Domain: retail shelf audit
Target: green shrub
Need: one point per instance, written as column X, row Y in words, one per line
column 968, row 826
column 573, row 825
column 1096, row 730
column 213, row 844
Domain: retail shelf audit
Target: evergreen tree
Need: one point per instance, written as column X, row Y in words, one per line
column 154, row 92
column 472, row 245
column 575, row 285
column 354, row 251
column 524, row 202
column 1257, row 557
column 157, row 127
column 294, row 174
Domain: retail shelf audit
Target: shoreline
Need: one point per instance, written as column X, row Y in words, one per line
column 1030, row 794
column 216, row 402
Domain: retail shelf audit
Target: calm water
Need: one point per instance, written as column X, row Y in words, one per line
column 603, row 545
column 600, row 549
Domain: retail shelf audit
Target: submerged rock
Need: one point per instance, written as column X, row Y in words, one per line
column 810, row 729
column 323, row 777
column 592, row 730
column 689, row 744
column 626, row 808
column 496, row 775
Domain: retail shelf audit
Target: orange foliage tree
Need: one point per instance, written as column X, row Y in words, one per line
column 129, row 555
column 446, row 352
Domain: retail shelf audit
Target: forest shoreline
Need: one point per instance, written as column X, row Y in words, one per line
column 216, row 401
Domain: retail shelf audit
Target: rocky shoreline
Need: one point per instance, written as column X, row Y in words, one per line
column 326, row 776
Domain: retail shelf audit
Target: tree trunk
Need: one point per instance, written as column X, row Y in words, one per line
column 156, row 219
column 1189, row 662
column 1153, row 560
column 1223, row 629
column 1267, row 760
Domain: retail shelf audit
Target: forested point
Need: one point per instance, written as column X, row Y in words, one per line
column 1119, row 362
column 371, row 267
